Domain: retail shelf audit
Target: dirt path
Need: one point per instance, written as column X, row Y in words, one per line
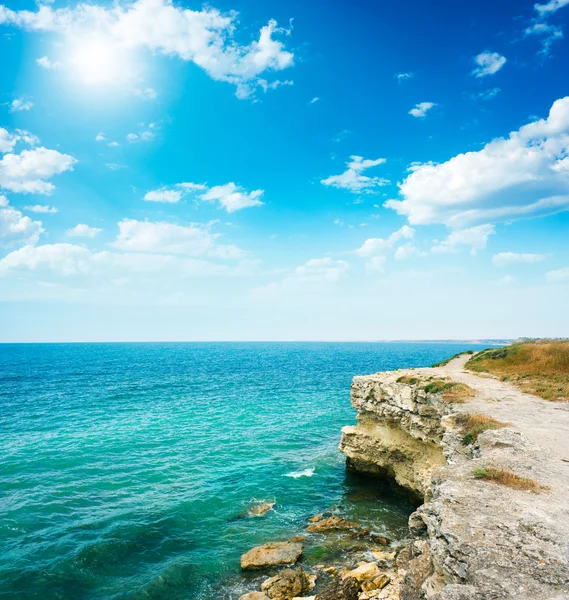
column 543, row 422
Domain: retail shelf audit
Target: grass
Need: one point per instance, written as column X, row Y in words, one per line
column 472, row 425
column 451, row 391
column 446, row 362
column 508, row 479
column 408, row 379
column 538, row 367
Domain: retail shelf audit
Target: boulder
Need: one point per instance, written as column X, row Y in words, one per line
column 254, row 596
column 364, row 572
column 341, row 589
column 271, row 555
column 377, row 583
column 288, row 584
column 330, row 524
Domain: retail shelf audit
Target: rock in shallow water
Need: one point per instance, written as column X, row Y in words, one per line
column 271, row 554
column 254, row 596
column 288, row 584
column 330, row 524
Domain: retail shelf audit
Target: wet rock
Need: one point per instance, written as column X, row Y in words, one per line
column 380, row 555
column 271, row 554
column 260, row 508
column 330, row 524
column 341, row 589
column 364, row 572
column 288, row 584
column 316, row 518
column 379, row 539
column 254, row 596
column 297, row 538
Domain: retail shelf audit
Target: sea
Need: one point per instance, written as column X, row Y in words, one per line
column 128, row 470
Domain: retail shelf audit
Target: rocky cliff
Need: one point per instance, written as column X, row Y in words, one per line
column 473, row 538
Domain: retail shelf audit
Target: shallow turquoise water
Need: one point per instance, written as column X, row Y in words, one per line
column 126, row 469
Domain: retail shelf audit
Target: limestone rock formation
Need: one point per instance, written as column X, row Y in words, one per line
column 271, row 554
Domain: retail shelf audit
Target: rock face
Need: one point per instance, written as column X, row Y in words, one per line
column 271, row 555
column 399, row 431
column 288, row 584
column 474, row 539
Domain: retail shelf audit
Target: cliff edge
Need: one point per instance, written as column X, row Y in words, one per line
column 490, row 463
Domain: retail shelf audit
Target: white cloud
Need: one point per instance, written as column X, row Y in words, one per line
column 505, row 281
column 28, row 171
column 83, row 230
column 205, row 37
column 314, row 100
column 163, row 195
column 548, row 34
column 522, row 176
column 550, row 7
column 230, row 196
column 167, row 238
column 46, row 63
column 113, row 144
column 373, row 246
column 474, row 237
column 114, row 166
column 100, row 137
column 376, row 264
column 7, row 140
column 558, row 275
column 147, row 93
column 353, row 180
column 42, row 208
column 403, row 76
column 15, row 228
column 405, row 251
column 488, row 63
column 421, row 109
column 503, row 259
column 19, row 104
column 486, row 94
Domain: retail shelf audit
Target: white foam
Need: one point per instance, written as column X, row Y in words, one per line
column 297, row 474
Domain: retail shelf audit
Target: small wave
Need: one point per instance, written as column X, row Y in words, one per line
column 305, row 473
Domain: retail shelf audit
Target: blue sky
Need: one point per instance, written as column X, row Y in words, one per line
column 279, row 171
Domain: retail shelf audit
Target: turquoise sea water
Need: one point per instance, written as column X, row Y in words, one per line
column 127, row 469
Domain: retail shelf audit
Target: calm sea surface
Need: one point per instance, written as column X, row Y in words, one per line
column 127, row 469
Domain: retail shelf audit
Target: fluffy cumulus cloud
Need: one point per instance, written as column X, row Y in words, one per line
column 46, row 63
column 488, row 63
column 29, row 170
column 420, row 110
column 353, row 179
column 375, row 249
column 230, row 196
column 550, row 7
column 521, row 176
column 15, row 228
column 475, row 238
column 72, row 261
column 504, row 259
column 82, row 230
column 168, row 238
column 205, row 37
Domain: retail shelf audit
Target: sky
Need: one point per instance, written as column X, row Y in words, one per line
column 247, row 170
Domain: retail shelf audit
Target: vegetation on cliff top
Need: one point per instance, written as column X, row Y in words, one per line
column 538, row 367
column 472, row 425
column 509, row 479
column 447, row 360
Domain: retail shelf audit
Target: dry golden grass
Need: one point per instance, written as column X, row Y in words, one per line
column 472, row 425
column 451, row 391
column 509, row 479
column 540, row 368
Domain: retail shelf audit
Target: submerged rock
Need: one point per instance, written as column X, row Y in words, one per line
column 288, row 584
column 272, row 554
column 260, row 508
column 330, row 524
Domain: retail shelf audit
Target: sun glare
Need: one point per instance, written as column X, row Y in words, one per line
column 96, row 61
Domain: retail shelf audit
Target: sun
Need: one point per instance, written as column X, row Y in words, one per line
column 98, row 61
